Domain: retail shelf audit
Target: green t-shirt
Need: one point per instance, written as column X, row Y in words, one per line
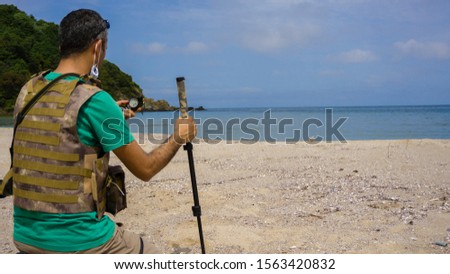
column 79, row 231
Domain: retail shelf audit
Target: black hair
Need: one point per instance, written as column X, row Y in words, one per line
column 79, row 29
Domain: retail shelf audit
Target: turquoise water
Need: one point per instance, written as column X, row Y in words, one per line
column 302, row 123
column 351, row 123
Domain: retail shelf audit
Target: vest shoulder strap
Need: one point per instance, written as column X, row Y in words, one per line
column 6, row 184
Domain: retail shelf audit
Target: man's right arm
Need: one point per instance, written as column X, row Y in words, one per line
column 146, row 165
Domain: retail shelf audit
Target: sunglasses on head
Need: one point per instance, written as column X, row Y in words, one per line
column 107, row 24
column 103, row 29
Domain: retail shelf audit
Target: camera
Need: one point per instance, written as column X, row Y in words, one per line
column 135, row 103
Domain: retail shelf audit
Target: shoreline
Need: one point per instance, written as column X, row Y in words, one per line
column 160, row 137
column 382, row 196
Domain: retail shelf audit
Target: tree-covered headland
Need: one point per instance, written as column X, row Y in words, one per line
column 29, row 46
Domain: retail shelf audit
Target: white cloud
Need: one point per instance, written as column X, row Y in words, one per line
column 431, row 50
column 193, row 47
column 196, row 47
column 356, row 56
column 270, row 37
column 266, row 25
column 156, row 48
column 151, row 48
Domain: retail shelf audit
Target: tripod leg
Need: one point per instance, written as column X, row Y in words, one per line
column 196, row 209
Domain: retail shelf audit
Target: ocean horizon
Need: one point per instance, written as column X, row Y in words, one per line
column 294, row 124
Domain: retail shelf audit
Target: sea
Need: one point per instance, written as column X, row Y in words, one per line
column 295, row 124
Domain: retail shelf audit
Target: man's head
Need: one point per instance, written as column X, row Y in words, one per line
column 79, row 30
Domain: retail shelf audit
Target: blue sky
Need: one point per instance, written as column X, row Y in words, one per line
column 271, row 53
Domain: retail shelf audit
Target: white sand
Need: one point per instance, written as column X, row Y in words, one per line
column 358, row 197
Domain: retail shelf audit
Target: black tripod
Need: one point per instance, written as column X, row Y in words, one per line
column 196, row 209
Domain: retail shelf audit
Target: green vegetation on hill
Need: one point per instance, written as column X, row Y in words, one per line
column 158, row 105
column 119, row 84
column 29, row 46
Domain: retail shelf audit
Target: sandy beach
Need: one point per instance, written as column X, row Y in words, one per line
column 355, row 197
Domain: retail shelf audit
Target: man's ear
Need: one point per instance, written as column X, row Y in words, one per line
column 98, row 45
column 94, row 47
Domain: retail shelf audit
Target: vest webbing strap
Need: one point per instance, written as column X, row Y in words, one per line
column 41, row 125
column 101, row 206
column 41, row 139
column 6, row 178
column 62, row 99
column 53, row 155
column 72, row 170
column 47, row 112
column 44, row 182
column 49, row 198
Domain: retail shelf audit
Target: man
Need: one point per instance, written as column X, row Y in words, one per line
column 61, row 152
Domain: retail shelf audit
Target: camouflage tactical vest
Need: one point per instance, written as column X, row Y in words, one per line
column 53, row 171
